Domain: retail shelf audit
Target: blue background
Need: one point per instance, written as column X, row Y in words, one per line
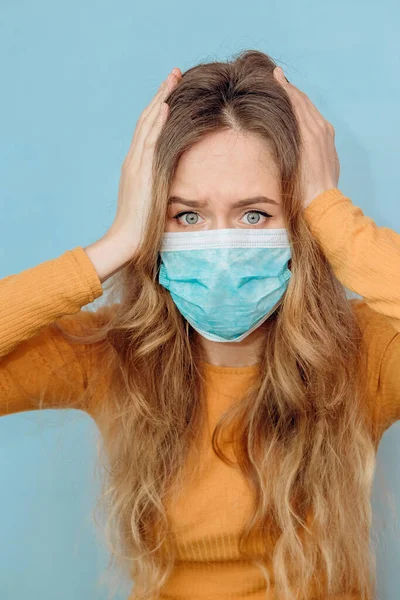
column 75, row 78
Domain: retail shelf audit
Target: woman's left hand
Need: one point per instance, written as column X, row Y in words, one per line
column 320, row 167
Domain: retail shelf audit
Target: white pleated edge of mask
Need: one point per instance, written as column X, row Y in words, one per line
column 225, row 238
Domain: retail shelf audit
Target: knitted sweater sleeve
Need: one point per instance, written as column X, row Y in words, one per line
column 366, row 259
column 35, row 360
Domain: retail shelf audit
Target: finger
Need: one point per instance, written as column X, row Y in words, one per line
column 305, row 110
column 312, row 110
column 170, row 83
column 157, row 126
column 159, row 97
column 163, row 91
column 298, row 97
column 146, row 124
column 156, row 99
column 306, row 106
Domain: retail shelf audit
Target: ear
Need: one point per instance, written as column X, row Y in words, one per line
column 290, row 264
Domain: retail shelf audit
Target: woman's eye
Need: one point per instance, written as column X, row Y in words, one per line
column 192, row 218
column 255, row 216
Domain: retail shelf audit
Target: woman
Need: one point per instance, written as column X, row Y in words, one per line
column 240, row 395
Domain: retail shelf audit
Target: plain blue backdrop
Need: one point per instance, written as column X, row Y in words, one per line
column 75, row 77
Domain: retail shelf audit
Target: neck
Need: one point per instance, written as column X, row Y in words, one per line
column 234, row 354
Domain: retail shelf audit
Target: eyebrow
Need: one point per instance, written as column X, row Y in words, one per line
column 237, row 204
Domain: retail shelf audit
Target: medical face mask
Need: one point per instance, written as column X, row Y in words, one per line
column 226, row 282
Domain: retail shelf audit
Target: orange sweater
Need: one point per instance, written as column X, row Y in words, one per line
column 364, row 257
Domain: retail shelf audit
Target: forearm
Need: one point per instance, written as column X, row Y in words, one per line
column 108, row 256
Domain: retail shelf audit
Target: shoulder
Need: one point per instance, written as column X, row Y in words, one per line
column 377, row 330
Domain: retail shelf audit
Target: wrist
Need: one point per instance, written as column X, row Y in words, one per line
column 108, row 255
column 318, row 192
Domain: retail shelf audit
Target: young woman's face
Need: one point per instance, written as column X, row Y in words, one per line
column 215, row 175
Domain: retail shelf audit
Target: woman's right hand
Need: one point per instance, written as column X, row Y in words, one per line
column 119, row 243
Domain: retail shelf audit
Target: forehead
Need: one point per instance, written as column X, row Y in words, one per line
column 227, row 163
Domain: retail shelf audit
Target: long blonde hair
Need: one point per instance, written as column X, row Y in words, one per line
column 303, row 440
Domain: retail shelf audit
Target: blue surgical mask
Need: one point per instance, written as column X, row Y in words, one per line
column 226, row 282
